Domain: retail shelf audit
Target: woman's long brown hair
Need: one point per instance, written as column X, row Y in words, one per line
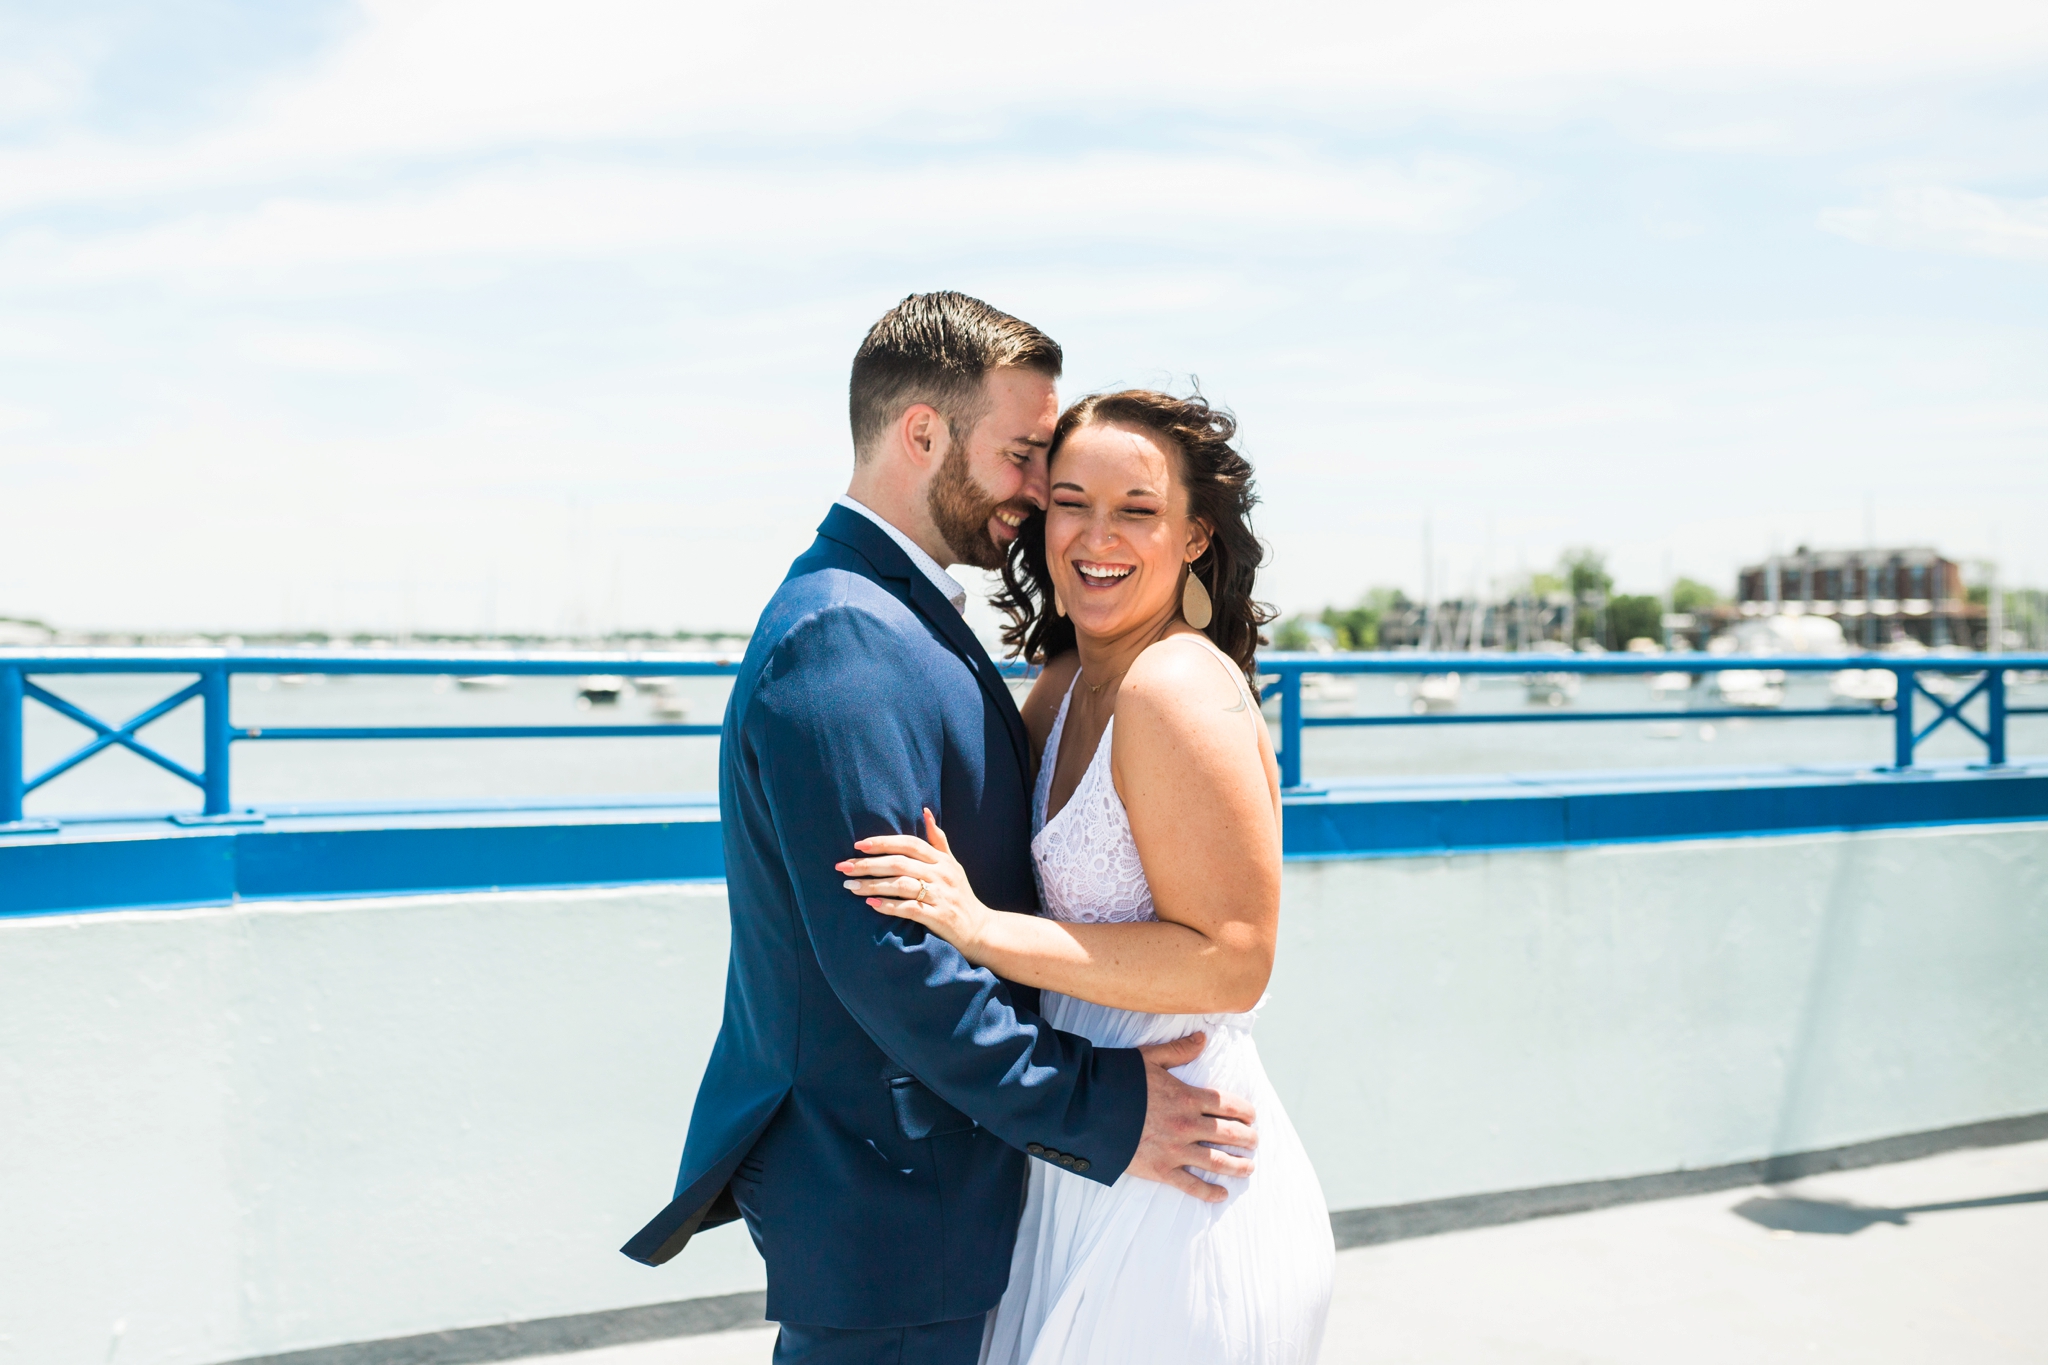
column 1219, row 484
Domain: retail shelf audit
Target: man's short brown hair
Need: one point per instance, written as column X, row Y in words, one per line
column 936, row 348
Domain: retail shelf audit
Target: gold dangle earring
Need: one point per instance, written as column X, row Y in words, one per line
column 1195, row 603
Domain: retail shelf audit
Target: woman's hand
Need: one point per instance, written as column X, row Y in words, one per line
column 910, row 878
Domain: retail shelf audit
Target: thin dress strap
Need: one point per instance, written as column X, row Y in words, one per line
column 1041, row 792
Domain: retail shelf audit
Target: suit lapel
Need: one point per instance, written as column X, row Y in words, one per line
column 857, row 533
column 936, row 609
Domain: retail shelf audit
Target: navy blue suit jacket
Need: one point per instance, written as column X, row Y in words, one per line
column 871, row 1094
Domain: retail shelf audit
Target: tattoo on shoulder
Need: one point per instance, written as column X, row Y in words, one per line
column 1243, row 698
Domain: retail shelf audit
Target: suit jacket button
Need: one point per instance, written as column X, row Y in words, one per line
column 1066, row 1160
column 1080, row 1163
column 1035, row 1148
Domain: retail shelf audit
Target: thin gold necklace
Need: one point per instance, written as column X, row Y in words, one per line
column 1095, row 689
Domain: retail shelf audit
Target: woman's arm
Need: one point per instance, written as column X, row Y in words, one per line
column 1198, row 784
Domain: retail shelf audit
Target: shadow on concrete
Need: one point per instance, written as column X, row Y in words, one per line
column 1787, row 1214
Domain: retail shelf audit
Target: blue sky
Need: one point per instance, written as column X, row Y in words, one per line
column 491, row 315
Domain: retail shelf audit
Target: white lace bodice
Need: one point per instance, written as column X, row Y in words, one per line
column 1085, row 858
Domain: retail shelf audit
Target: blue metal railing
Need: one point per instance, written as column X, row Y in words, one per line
column 1907, row 733
column 18, row 671
column 214, row 668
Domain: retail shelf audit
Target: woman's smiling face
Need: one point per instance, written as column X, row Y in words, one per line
column 1118, row 532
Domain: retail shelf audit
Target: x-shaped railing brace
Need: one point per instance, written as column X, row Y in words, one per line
column 1951, row 710
column 107, row 735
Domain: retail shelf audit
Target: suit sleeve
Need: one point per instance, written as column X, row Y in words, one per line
column 844, row 754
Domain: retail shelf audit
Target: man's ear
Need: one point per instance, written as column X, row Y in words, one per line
column 924, row 434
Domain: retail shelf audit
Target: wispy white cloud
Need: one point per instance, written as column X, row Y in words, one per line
column 16, row 419
column 1954, row 221
column 814, row 211
column 320, row 350
column 454, row 78
column 44, row 71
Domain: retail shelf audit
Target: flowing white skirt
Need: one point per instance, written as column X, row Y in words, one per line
column 1137, row 1271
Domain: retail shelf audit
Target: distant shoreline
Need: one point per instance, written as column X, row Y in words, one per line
column 18, row 632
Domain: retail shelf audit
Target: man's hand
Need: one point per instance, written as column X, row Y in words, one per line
column 1180, row 1119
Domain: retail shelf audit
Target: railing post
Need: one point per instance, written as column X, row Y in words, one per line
column 214, row 696
column 1290, row 727
column 1902, row 717
column 12, row 777
column 1994, row 717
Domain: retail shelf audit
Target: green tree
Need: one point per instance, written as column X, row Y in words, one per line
column 1690, row 596
column 1353, row 629
column 1632, row 618
column 1292, row 634
column 1585, row 573
column 1358, row 627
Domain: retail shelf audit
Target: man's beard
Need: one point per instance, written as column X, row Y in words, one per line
column 961, row 508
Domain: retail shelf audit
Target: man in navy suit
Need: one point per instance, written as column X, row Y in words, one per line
column 873, row 1099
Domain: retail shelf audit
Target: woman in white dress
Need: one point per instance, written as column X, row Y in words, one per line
column 1156, row 824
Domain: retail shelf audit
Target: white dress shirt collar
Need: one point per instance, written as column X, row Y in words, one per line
column 949, row 587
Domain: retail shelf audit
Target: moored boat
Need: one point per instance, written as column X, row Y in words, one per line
column 1327, row 688
column 1866, row 686
column 1664, row 685
column 601, row 689
column 1433, row 692
column 1757, row 689
column 1551, row 689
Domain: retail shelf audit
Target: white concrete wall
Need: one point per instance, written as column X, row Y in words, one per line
column 1444, row 1026
column 236, row 1131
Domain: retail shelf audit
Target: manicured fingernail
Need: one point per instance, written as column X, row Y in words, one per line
column 849, row 886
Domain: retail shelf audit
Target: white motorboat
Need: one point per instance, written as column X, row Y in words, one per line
column 1663, row 685
column 1551, row 689
column 1759, row 689
column 1784, row 635
column 1763, row 689
column 484, row 682
column 1326, row 688
column 1432, row 692
column 1865, row 686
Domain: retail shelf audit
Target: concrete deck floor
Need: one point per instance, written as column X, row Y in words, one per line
column 1684, row 1281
